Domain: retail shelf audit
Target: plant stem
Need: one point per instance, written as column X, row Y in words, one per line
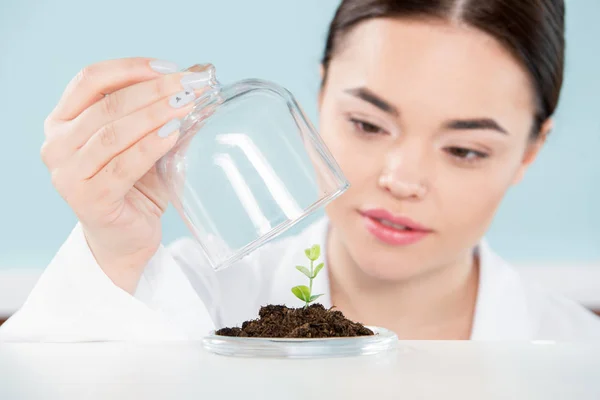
column 310, row 280
column 311, row 274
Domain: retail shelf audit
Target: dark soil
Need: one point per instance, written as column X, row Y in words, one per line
column 313, row 321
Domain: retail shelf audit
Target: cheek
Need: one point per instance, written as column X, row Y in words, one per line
column 469, row 198
column 359, row 166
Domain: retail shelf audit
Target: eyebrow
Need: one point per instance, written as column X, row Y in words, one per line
column 476, row 124
column 370, row 97
column 458, row 124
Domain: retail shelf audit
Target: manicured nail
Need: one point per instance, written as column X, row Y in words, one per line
column 196, row 80
column 182, row 98
column 164, row 67
column 169, row 128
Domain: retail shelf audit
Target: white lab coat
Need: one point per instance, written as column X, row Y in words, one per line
column 180, row 297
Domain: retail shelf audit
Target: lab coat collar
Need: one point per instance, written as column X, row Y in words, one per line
column 501, row 311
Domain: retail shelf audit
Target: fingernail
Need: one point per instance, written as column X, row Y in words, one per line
column 164, row 67
column 169, row 128
column 182, row 98
column 196, row 80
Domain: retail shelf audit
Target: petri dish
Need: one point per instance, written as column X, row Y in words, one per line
column 384, row 340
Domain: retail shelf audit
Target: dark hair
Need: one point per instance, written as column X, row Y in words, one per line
column 532, row 30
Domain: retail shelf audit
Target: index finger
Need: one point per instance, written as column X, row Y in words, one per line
column 93, row 82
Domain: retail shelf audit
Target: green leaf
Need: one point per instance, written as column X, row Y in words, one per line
column 302, row 292
column 318, row 269
column 307, row 252
column 304, row 270
column 315, row 252
column 314, row 297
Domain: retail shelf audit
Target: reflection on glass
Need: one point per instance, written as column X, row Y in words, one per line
column 274, row 184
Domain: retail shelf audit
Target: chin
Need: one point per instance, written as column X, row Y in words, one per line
column 392, row 265
column 384, row 262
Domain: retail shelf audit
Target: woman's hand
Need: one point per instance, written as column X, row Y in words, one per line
column 113, row 122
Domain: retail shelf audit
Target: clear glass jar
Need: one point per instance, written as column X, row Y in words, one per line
column 248, row 165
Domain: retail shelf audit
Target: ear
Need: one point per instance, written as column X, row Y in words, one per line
column 533, row 149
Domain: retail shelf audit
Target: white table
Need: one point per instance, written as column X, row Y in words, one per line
column 417, row 370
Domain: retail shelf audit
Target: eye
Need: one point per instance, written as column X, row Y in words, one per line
column 366, row 127
column 465, row 154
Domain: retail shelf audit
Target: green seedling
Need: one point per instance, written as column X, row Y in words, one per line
column 303, row 292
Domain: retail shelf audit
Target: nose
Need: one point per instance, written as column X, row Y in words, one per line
column 403, row 176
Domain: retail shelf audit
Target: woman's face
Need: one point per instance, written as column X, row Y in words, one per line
column 430, row 123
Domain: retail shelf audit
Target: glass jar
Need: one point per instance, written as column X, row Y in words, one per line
column 248, row 165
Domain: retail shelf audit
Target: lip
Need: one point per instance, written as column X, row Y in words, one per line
column 391, row 235
column 381, row 213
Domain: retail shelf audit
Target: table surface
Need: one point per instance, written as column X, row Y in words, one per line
column 415, row 370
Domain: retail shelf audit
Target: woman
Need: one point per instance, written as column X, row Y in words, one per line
column 433, row 109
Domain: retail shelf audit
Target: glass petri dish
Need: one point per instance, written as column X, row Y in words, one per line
column 384, row 340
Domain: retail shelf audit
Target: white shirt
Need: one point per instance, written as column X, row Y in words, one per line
column 180, row 297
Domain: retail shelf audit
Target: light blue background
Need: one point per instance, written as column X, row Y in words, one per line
column 552, row 217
